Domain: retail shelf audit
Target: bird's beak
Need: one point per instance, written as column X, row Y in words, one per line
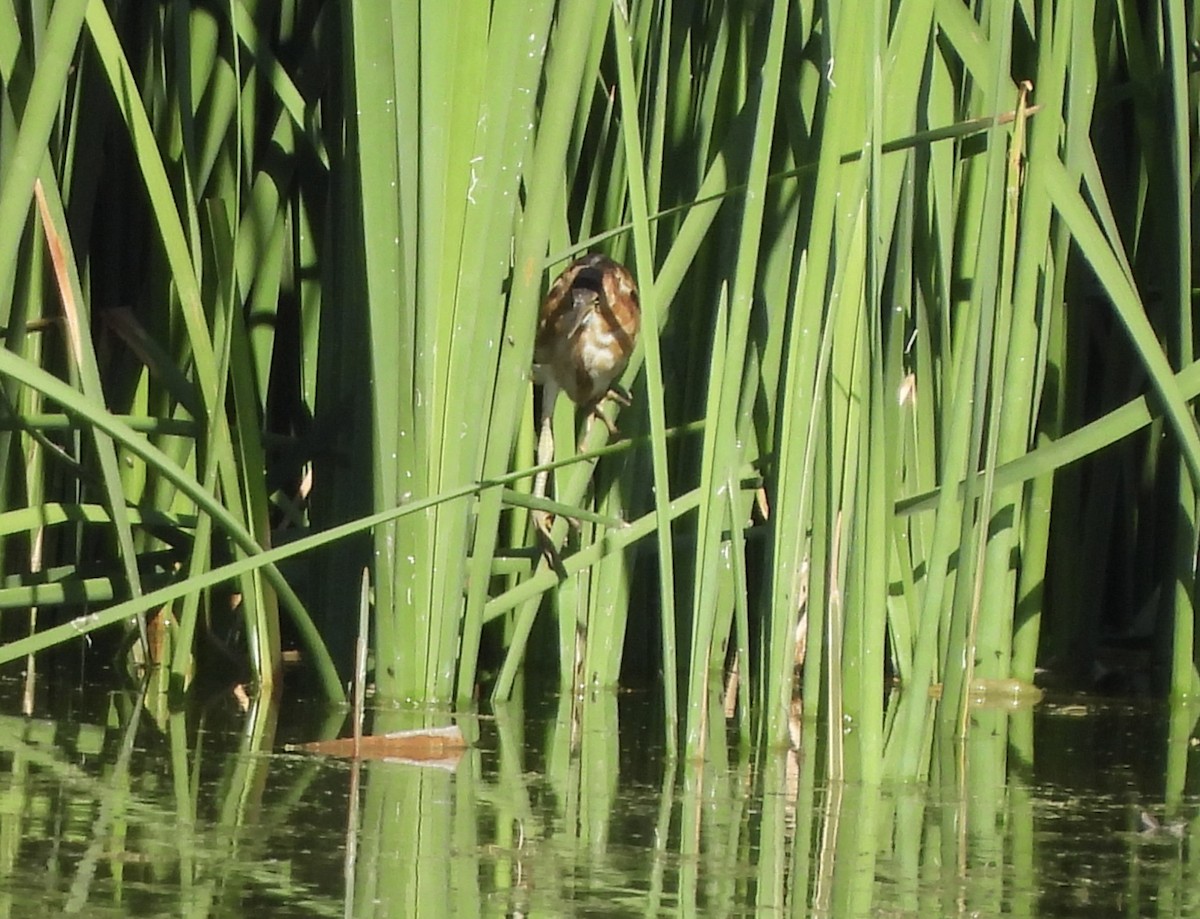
column 585, row 303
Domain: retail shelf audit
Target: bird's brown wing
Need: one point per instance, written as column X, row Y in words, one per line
column 621, row 295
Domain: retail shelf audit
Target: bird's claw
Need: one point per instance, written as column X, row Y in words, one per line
column 607, row 422
column 543, row 524
column 618, row 393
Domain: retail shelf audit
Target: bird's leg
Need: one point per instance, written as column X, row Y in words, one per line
column 618, row 394
column 542, row 520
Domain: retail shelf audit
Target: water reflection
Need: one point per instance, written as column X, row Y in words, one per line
column 553, row 811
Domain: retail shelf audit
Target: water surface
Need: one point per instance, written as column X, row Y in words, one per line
column 111, row 806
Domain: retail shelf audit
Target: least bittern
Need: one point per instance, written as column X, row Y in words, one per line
column 587, row 328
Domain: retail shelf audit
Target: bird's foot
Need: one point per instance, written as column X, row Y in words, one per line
column 613, row 433
column 618, row 393
column 543, row 522
column 543, row 525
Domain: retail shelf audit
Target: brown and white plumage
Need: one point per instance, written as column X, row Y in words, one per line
column 587, row 328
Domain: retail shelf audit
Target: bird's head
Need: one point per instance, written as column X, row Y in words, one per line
column 585, row 300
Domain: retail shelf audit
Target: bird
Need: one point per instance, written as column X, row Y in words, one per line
column 587, row 328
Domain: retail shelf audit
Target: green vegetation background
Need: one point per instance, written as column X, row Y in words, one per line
column 270, row 271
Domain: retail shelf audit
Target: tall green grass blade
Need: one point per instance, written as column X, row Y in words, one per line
column 643, row 247
column 725, row 453
column 71, row 295
column 565, row 68
column 1185, row 679
column 29, row 149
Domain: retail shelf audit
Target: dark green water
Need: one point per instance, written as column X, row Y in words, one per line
column 109, row 807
